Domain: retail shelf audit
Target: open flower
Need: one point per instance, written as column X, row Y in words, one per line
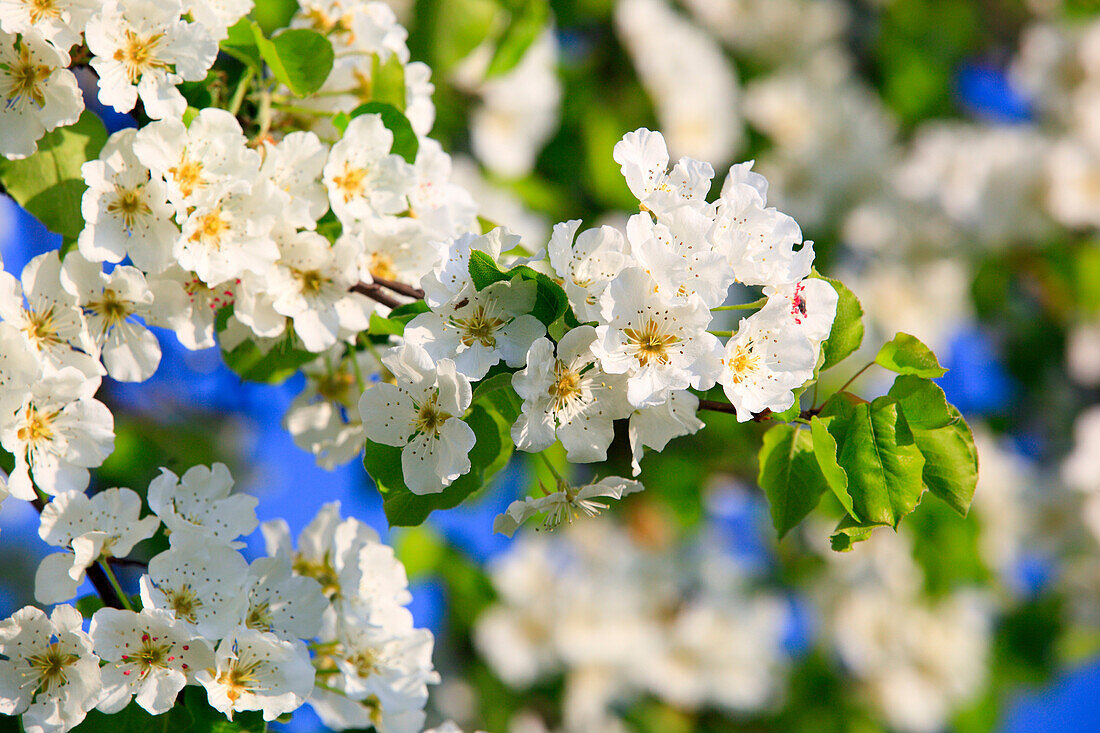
column 106, row 524
column 150, row 656
column 125, row 212
column 37, row 94
column 257, row 671
column 643, row 156
column 200, row 503
column 48, row 672
column 765, row 360
column 363, row 178
column 422, row 415
column 479, row 328
column 588, row 264
column 659, row 344
column 200, row 582
column 569, row 397
column 564, row 505
column 144, row 48
column 57, row 434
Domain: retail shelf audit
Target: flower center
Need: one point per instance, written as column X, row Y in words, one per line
column 311, row 281
column 111, row 308
column 184, row 601
column 566, row 387
column 429, row 418
column 320, row 570
column 39, row 10
column 128, row 205
column 51, row 666
column 188, row 175
column 352, row 183
column 37, row 426
column 365, row 662
column 153, row 654
column 240, row 678
column 334, row 387
column 42, row 327
column 480, row 327
column 381, row 265
column 259, row 616
column 743, row 363
column 210, row 229
column 648, row 343
column 138, row 55
column 26, row 79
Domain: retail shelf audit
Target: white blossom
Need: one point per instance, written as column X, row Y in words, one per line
column 422, row 415
column 57, row 434
column 643, row 156
column 142, row 48
column 37, row 94
column 130, row 352
column 107, row 524
column 198, row 580
column 60, row 22
column 660, row 345
column 150, row 657
column 567, row 396
column 564, row 505
column 588, row 264
column 765, row 360
column 480, row 328
column 363, row 178
column 257, row 671
column 125, row 212
column 290, row 607
column 200, row 503
column 48, row 672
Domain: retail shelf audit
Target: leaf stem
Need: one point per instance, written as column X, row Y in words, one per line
column 760, row 303
column 115, row 584
column 562, row 483
column 241, row 90
column 855, row 376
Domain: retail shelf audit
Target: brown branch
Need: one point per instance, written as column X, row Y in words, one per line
column 375, row 293
column 400, row 288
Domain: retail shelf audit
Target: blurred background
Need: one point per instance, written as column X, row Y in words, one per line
column 944, row 155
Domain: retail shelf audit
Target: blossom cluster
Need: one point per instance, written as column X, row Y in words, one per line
column 321, row 622
column 620, row 616
column 644, row 302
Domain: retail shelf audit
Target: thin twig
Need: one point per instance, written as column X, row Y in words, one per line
column 400, row 288
column 375, row 293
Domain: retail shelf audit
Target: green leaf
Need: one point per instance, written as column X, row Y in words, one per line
column 380, row 326
column 876, row 449
column 193, row 716
column 789, row 475
column 88, row 605
column 523, row 29
column 405, row 142
column 825, row 452
column 943, row 437
column 298, row 57
column 551, row 303
column 48, row 184
column 241, row 44
column 847, row 332
column 387, row 82
column 273, row 367
column 848, row 533
column 489, row 455
column 457, row 27
column 906, row 354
